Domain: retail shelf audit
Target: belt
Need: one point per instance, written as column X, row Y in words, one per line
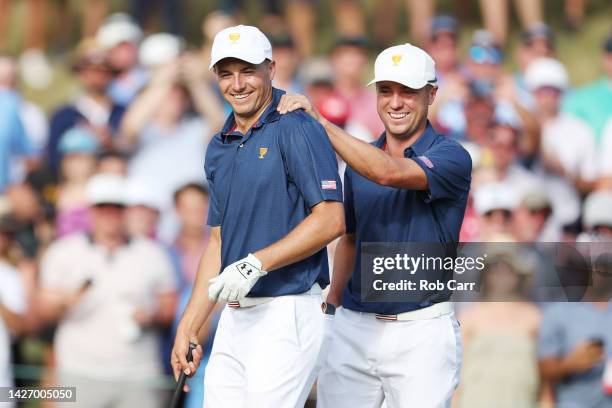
column 254, row 301
column 426, row 313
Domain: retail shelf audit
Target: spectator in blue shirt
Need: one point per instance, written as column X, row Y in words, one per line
column 14, row 143
column 574, row 343
column 275, row 203
column 411, row 185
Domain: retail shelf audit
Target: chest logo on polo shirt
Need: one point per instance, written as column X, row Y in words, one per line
column 262, row 152
column 234, row 37
column 396, row 59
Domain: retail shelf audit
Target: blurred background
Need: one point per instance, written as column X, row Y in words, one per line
column 106, row 109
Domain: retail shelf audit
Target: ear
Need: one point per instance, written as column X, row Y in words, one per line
column 432, row 94
column 271, row 69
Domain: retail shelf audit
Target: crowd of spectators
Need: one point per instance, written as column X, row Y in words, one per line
column 103, row 200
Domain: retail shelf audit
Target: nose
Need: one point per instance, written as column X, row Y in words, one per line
column 396, row 101
column 237, row 83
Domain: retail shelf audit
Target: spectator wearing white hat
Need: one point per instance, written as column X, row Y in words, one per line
column 108, row 294
column 568, row 166
column 495, row 202
column 597, row 216
column 121, row 36
column 567, row 144
column 144, row 204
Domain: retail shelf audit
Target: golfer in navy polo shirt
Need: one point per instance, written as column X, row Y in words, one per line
column 411, row 185
column 275, row 203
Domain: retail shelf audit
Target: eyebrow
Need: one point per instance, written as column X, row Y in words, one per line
column 227, row 71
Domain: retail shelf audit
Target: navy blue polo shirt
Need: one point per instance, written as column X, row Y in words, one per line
column 376, row 213
column 263, row 184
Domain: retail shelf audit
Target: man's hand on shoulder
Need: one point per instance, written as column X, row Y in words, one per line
column 291, row 102
column 236, row 281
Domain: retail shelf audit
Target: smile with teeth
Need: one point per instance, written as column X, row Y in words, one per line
column 399, row 115
column 240, row 96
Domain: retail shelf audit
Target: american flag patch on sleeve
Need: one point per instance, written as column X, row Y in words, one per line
column 426, row 161
column 328, row 184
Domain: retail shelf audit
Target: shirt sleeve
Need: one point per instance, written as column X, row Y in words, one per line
column 309, row 159
column 349, row 209
column 19, row 141
column 448, row 168
column 551, row 335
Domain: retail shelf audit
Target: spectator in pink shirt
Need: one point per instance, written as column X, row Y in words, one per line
column 350, row 61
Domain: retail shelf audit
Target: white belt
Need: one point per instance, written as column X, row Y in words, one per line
column 426, row 313
column 254, row 301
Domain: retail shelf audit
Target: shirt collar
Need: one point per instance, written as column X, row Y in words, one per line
column 269, row 115
column 419, row 147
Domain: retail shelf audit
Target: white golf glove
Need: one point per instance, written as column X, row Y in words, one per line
column 236, row 280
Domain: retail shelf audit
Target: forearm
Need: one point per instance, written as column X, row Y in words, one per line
column 199, row 306
column 373, row 163
column 141, row 111
column 555, row 368
column 364, row 158
column 207, row 104
column 52, row 305
column 321, row 227
column 344, row 263
column 531, row 140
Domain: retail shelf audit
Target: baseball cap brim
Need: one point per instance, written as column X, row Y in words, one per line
column 413, row 84
column 251, row 59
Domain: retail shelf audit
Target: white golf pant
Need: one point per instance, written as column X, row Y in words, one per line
column 406, row 364
column 266, row 356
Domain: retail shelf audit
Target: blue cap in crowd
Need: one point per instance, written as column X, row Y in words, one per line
column 444, row 24
column 78, row 139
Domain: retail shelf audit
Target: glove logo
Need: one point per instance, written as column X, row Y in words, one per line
column 245, row 269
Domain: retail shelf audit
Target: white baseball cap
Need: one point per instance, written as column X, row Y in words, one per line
column 159, row 49
column 494, row 196
column 405, row 64
column 596, row 210
column 246, row 43
column 117, row 29
column 546, row 72
column 141, row 192
column 106, row 188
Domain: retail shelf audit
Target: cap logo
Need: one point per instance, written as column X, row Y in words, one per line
column 396, row 59
column 234, row 37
